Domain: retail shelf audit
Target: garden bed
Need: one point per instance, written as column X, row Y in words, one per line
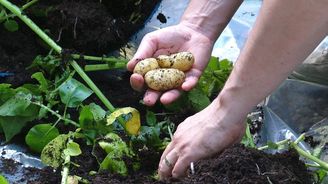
column 95, row 27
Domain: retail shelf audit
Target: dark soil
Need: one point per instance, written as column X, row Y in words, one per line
column 85, row 26
column 235, row 165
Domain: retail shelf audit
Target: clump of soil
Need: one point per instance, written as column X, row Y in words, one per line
column 91, row 27
column 235, row 165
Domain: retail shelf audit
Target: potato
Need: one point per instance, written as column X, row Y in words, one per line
column 164, row 79
column 182, row 61
column 143, row 66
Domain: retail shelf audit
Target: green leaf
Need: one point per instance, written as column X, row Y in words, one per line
column 17, row 105
column 3, row 180
column 248, row 140
column 42, row 80
column 98, row 113
column 151, row 118
column 51, row 154
column 114, row 164
column 198, row 99
column 272, row 145
column 11, row 25
column 116, row 150
column 73, row 149
column 86, row 118
column 40, row 135
column 6, row 92
column 15, row 113
column 73, row 92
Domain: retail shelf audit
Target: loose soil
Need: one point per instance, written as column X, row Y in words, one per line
column 235, row 165
column 85, row 26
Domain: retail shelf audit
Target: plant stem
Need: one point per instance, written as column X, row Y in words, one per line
column 277, row 143
column 94, row 58
column 65, row 168
column 56, row 114
column 324, row 165
column 15, row 10
column 97, row 67
column 27, row 5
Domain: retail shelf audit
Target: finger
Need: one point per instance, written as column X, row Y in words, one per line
column 137, row 82
column 167, row 164
column 181, row 167
column 151, row 97
column 146, row 49
column 170, row 96
column 191, row 80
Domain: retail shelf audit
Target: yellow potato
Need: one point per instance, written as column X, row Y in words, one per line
column 182, row 61
column 143, row 66
column 164, row 79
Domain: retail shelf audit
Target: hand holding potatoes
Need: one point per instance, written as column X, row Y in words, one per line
column 165, row 72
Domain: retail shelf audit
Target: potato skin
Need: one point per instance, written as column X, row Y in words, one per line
column 182, row 61
column 143, row 66
column 164, row 79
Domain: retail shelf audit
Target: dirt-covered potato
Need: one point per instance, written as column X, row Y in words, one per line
column 143, row 66
column 164, row 79
column 182, row 61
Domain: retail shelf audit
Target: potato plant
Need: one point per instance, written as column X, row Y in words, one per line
column 55, row 93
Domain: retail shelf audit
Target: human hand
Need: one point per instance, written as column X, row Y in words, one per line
column 168, row 41
column 200, row 136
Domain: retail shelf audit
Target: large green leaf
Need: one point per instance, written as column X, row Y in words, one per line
column 73, row 92
column 6, row 92
column 17, row 105
column 15, row 113
column 40, row 135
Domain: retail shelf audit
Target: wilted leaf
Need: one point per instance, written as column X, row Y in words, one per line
column 132, row 119
column 51, row 154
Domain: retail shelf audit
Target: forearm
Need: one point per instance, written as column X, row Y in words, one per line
column 285, row 33
column 210, row 16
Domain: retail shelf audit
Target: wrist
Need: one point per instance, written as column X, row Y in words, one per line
column 209, row 17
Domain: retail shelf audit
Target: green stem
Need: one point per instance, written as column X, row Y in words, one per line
column 307, row 155
column 65, row 170
column 15, row 10
column 56, row 114
column 95, row 58
column 27, row 5
column 98, row 67
column 277, row 143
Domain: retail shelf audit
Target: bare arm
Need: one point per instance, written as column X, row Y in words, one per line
column 284, row 34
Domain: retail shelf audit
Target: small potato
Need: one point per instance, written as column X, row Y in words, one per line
column 145, row 65
column 164, row 79
column 182, row 61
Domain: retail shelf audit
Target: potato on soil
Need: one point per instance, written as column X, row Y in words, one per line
column 143, row 66
column 182, row 61
column 164, row 79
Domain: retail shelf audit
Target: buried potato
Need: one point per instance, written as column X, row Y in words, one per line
column 164, row 79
